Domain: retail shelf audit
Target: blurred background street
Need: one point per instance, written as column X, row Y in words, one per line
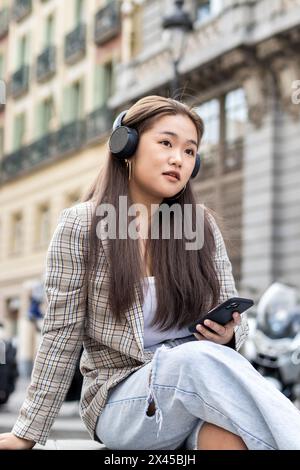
column 68, row 424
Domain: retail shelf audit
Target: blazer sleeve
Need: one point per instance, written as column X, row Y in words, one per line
column 62, row 331
column 227, row 285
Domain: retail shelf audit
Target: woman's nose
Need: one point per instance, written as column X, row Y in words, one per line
column 176, row 157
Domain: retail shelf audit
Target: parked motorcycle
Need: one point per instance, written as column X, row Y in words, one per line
column 274, row 345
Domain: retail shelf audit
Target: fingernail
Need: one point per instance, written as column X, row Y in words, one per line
column 207, row 322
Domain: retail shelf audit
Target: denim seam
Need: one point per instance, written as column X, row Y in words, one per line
column 126, row 400
column 215, row 410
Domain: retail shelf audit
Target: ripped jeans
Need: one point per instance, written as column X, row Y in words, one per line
column 188, row 382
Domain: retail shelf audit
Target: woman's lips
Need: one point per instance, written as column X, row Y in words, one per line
column 171, row 178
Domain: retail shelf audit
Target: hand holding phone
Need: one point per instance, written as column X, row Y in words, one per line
column 222, row 314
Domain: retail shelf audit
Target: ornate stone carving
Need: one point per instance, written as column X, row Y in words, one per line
column 271, row 47
column 254, row 83
column 280, row 54
column 287, row 72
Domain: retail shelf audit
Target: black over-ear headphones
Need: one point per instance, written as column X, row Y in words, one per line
column 124, row 140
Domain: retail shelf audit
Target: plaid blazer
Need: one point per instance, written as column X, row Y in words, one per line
column 112, row 350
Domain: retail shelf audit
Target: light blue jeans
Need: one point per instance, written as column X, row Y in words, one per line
column 191, row 382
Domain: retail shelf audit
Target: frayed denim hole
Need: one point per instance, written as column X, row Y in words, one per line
column 152, row 394
column 150, row 408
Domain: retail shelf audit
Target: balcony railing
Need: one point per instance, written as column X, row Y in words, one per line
column 21, row 8
column 75, row 44
column 69, row 138
column 98, row 123
column 13, row 163
column 46, row 64
column 107, row 23
column 19, row 82
column 3, row 22
column 41, row 150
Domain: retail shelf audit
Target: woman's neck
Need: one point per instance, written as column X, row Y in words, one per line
column 150, row 203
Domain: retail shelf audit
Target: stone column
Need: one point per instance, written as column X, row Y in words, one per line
column 259, row 181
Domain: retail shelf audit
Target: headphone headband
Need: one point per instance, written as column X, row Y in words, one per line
column 118, row 121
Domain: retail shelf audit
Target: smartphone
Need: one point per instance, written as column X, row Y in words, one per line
column 223, row 313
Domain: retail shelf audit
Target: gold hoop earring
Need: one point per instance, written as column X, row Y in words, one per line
column 128, row 166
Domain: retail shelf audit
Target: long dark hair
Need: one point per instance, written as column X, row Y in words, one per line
column 187, row 283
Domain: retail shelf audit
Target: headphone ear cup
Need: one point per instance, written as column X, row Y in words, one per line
column 197, row 166
column 123, row 142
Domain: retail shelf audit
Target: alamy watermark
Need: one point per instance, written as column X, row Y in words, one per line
column 296, row 92
column 161, row 217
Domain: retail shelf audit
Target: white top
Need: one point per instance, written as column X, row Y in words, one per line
column 152, row 335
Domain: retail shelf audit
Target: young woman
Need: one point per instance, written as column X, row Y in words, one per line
column 148, row 382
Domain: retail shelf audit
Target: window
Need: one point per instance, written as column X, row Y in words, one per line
column 44, row 116
column 76, row 100
column 202, row 10
column 210, row 113
column 103, row 83
column 17, row 233
column 79, row 11
column 22, row 51
column 225, row 120
column 43, row 226
column 236, row 115
column 19, row 131
column 207, row 8
column 73, row 102
column 49, row 31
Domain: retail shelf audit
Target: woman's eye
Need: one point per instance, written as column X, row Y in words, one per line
column 190, row 151
column 165, row 141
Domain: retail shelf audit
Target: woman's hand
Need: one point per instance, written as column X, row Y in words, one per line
column 9, row 441
column 222, row 334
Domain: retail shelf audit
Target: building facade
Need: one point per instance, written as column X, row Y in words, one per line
column 59, row 59
column 71, row 66
column 241, row 68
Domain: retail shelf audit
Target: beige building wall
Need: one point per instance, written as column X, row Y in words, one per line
column 56, row 184
column 34, row 26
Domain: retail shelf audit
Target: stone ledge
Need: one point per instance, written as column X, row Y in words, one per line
column 70, row 444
